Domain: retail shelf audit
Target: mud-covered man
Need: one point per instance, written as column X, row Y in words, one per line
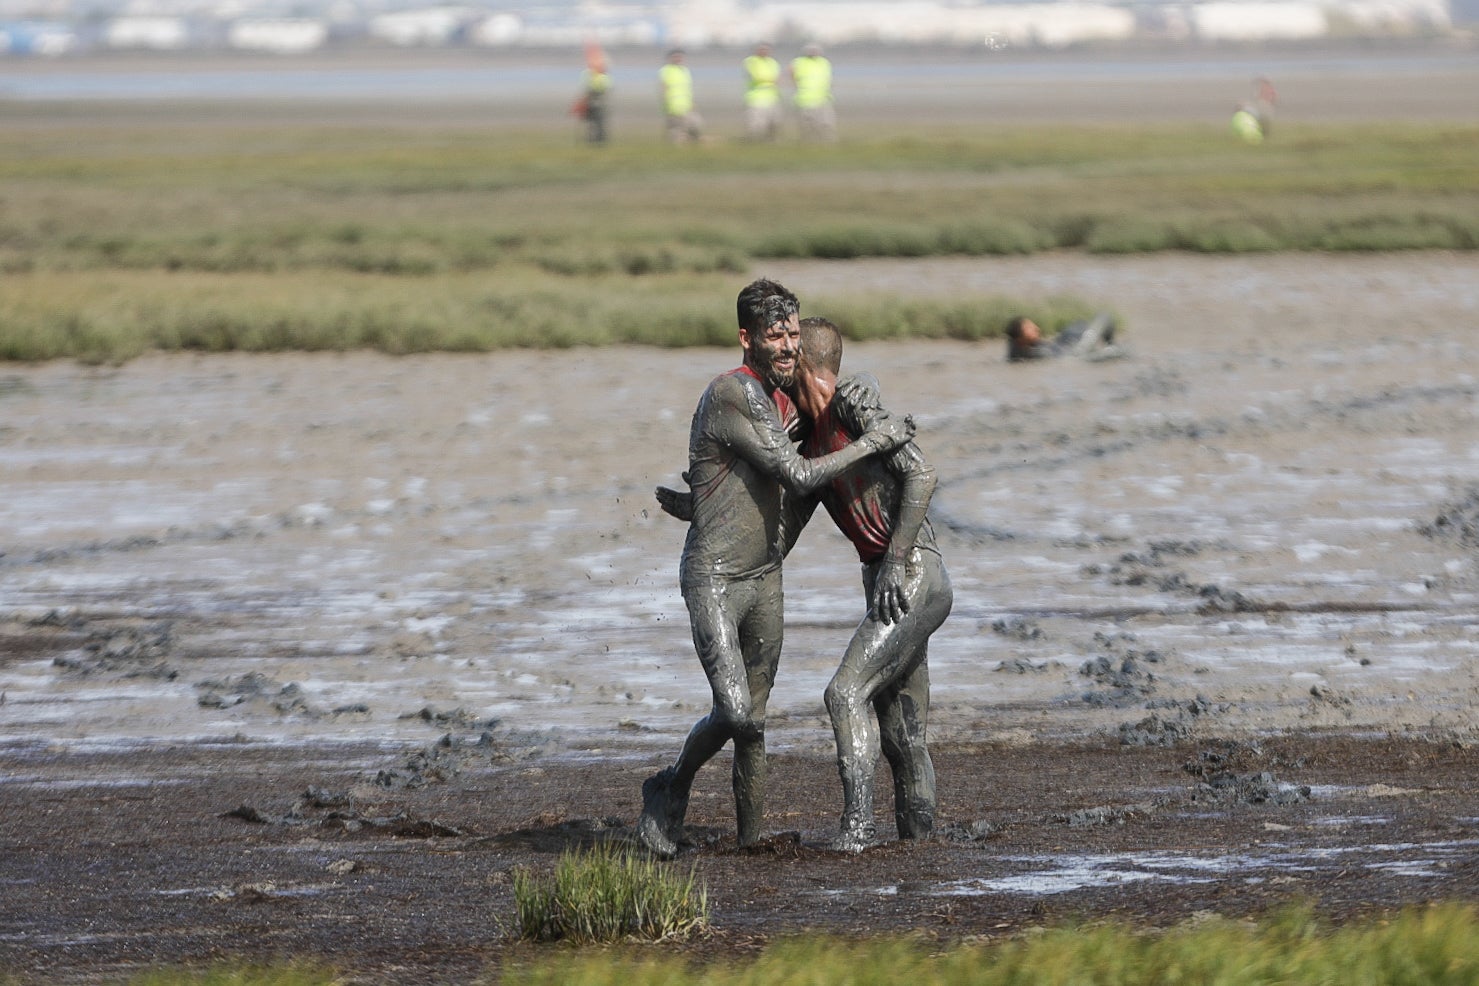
column 882, row 507
column 1091, row 340
column 739, row 457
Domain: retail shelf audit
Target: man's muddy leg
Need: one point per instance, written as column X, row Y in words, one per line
column 761, row 635
column 870, row 662
column 665, row 793
column 903, row 721
column 900, row 697
column 748, row 779
column 716, row 638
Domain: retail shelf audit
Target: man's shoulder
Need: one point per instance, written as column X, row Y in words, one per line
column 736, row 387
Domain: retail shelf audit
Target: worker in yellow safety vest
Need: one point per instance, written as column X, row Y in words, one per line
column 811, row 74
column 591, row 106
column 1246, row 125
column 675, row 83
column 762, row 95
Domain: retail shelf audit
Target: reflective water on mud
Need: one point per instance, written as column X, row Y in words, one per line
column 1222, row 533
column 1067, row 872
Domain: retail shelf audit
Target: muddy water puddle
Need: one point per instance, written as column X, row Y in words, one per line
column 1068, row 872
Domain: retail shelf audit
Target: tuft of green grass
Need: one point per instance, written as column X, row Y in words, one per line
column 608, row 894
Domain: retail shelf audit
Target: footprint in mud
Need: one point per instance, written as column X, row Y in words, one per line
column 1457, row 520
column 1121, row 675
column 129, row 651
column 252, row 687
column 1150, row 568
column 1232, row 775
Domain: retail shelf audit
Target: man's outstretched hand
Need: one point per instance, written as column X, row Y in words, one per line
column 675, row 502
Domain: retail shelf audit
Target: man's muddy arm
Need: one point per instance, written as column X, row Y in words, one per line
column 803, row 476
column 754, row 431
column 919, row 482
column 917, row 478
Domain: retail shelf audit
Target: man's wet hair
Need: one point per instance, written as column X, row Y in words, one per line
column 1014, row 327
column 821, row 343
column 763, row 303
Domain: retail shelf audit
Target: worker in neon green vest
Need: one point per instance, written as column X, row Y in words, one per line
column 595, row 93
column 811, row 74
column 675, row 85
column 762, row 95
column 1246, row 125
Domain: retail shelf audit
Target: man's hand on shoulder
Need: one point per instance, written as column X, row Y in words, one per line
column 859, row 390
column 888, row 432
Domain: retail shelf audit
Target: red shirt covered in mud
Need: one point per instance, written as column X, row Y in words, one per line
column 864, row 501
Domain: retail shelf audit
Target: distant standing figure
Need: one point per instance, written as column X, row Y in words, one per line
column 593, row 101
column 1092, row 340
column 811, row 74
column 1245, row 124
column 762, row 95
column 1265, row 98
column 675, row 81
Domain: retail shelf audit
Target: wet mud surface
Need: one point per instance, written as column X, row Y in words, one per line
column 201, row 854
column 300, row 655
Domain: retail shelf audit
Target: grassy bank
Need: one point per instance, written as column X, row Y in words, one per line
column 1431, row 946
column 289, row 234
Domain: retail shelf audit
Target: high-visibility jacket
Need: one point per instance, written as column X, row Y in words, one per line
column 764, row 75
column 677, row 89
column 1246, row 126
column 813, row 77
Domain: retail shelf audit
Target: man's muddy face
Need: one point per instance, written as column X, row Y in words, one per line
column 775, row 352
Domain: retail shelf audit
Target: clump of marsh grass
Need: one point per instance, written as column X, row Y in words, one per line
column 608, row 894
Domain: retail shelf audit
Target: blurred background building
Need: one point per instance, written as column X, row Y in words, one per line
column 63, row 27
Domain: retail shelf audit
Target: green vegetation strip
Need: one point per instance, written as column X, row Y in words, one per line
column 114, row 316
column 1436, row 945
column 258, row 234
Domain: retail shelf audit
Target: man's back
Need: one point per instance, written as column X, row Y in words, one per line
column 864, row 503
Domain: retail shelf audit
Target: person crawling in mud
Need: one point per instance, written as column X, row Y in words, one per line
column 882, row 507
column 739, row 457
column 1091, row 340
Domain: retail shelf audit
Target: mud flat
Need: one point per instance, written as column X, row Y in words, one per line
column 301, row 654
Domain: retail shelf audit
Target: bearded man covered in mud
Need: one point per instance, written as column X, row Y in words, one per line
column 882, row 507
column 740, row 455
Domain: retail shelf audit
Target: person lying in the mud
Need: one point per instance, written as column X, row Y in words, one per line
column 882, row 507
column 1092, row 340
column 739, row 457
